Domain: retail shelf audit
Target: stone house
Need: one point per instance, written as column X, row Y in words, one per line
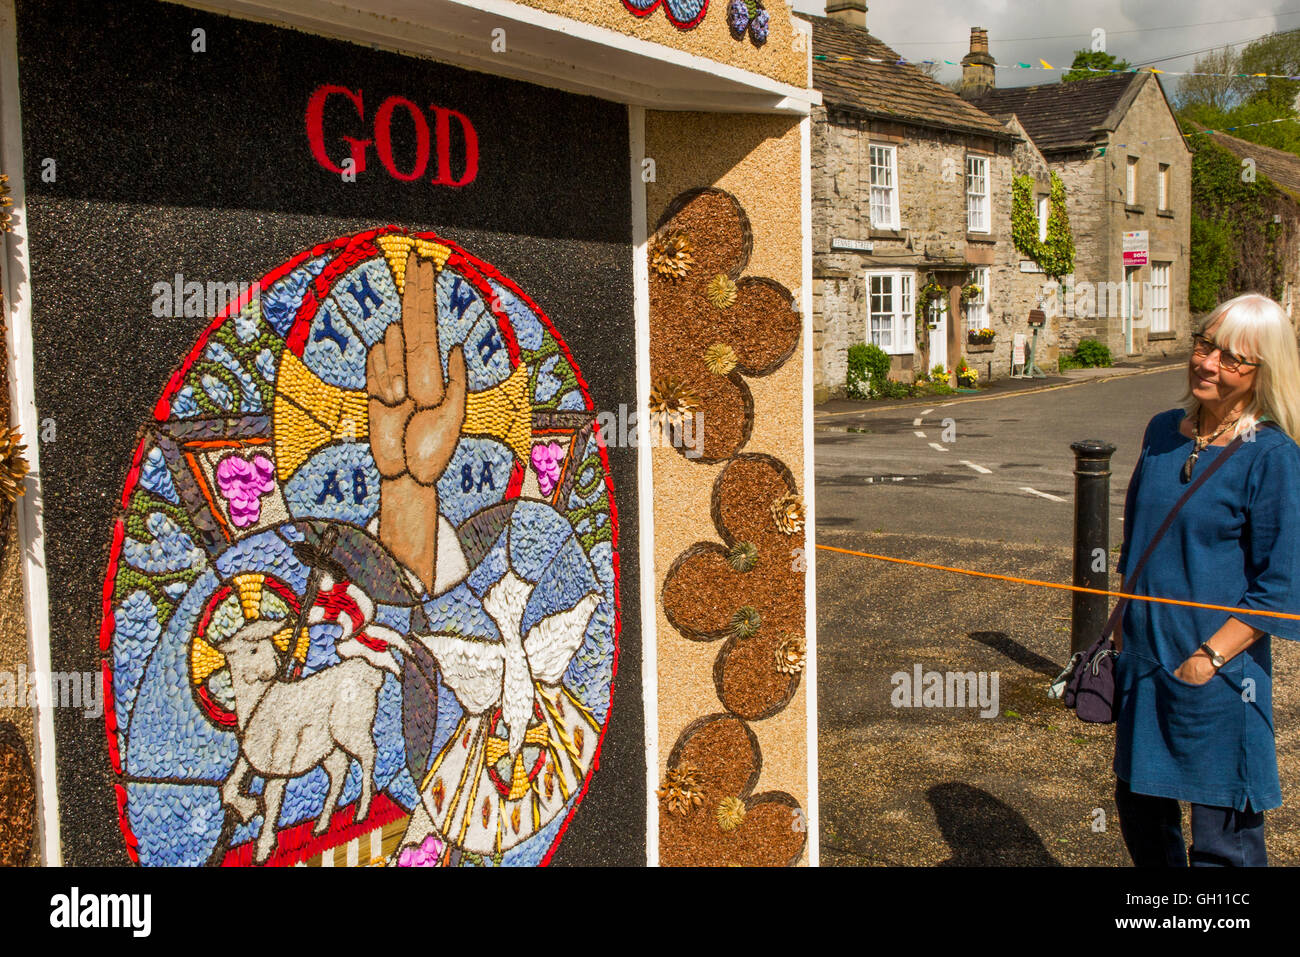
column 911, row 188
column 1118, row 149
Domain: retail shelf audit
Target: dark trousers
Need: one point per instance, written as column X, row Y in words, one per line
column 1221, row 836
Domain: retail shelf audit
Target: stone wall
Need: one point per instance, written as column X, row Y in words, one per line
column 932, row 238
column 1099, row 216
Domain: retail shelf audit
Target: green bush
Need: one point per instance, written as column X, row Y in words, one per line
column 889, row 389
column 868, row 375
column 1213, row 256
column 1090, row 353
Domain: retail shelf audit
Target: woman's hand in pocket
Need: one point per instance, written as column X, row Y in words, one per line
column 1196, row 670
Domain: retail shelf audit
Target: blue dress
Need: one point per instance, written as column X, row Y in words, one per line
column 1235, row 543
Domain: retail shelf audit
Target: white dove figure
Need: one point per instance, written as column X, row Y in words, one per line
column 482, row 673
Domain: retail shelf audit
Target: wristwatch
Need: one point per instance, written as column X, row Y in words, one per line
column 1218, row 659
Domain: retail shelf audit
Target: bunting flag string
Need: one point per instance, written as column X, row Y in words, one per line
column 1101, row 150
column 1044, row 65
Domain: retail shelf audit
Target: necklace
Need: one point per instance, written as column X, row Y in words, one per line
column 1200, row 442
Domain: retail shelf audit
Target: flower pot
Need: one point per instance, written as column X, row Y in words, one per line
column 973, row 347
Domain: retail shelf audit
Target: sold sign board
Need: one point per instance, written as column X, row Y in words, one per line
column 435, row 138
column 1135, row 247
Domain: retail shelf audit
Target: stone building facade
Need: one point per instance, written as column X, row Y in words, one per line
column 911, row 186
column 1118, row 149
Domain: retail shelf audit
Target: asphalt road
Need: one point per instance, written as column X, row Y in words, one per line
column 1024, row 783
column 997, row 468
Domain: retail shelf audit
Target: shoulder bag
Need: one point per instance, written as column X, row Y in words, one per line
column 1087, row 685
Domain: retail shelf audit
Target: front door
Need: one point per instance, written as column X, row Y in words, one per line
column 938, row 320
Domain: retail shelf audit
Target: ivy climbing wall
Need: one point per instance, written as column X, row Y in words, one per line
column 730, row 559
column 325, row 333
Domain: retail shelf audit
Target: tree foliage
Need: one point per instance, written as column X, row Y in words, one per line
column 1097, row 60
column 1236, row 245
column 1247, row 106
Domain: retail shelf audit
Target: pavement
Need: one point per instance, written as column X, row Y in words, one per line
column 835, row 408
column 942, row 785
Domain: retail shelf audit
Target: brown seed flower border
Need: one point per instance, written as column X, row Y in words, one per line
column 702, row 591
column 773, row 832
column 759, row 323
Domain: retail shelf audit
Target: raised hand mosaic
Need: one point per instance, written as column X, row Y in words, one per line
column 364, row 581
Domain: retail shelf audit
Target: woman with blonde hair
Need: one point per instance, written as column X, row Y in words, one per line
column 1195, row 717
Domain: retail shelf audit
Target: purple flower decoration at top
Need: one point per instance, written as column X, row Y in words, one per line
column 748, row 16
column 546, row 459
column 426, row 855
column 242, row 483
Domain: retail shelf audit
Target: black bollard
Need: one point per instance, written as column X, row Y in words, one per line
column 1091, row 533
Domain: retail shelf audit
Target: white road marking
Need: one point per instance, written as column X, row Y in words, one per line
column 917, row 420
column 919, row 434
column 1034, row 491
column 978, row 468
column 927, row 411
column 937, row 447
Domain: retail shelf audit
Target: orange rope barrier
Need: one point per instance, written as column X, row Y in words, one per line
column 1043, row 584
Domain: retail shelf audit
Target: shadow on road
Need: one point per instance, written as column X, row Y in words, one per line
column 981, row 831
column 1004, row 644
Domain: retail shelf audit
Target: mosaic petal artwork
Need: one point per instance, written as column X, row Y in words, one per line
column 683, row 14
column 364, row 580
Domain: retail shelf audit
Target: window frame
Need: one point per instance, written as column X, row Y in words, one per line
column 902, row 314
column 985, row 198
column 979, row 306
column 1131, row 181
column 1163, row 182
column 1044, row 213
column 891, row 170
column 1159, row 296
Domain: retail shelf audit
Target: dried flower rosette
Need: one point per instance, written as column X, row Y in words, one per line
column 791, row 655
column 13, row 464
column 670, row 403
column 746, row 621
column 670, row 254
column 731, row 813
column 743, row 556
column 720, row 358
column 721, row 291
column 681, row 790
column 6, row 201
column 788, row 513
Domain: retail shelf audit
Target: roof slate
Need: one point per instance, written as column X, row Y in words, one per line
column 1059, row 116
column 889, row 89
column 1281, row 167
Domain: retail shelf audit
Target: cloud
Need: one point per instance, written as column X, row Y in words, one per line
column 1144, row 32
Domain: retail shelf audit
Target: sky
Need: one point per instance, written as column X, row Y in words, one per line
column 1161, row 33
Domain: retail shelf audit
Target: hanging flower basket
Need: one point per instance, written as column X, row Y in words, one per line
column 970, row 292
column 931, row 294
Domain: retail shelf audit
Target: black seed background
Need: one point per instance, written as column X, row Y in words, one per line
column 172, row 161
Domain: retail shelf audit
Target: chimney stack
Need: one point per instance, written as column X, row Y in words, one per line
column 852, row 12
column 977, row 66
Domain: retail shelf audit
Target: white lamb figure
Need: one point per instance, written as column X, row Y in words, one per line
column 286, row 728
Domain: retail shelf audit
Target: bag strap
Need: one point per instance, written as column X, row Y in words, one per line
column 1169, row 520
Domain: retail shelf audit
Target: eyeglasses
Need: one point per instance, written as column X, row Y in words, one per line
column 1204, row 345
